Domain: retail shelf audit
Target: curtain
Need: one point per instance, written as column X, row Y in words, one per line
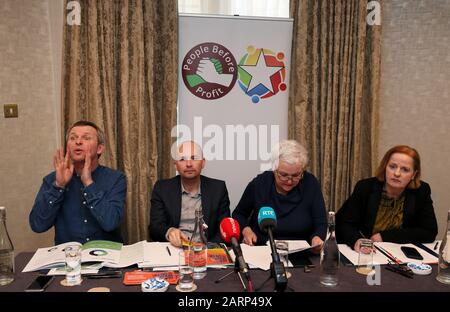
column 120, row 71
column 334, row 92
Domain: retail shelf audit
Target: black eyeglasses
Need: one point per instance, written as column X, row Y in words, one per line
column 286, row 177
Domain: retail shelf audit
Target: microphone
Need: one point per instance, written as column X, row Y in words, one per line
column 267, row 221
column 231, row 232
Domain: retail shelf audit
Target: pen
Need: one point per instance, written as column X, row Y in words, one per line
column 168, row 250
column 436, row 246
column 388, row 254
column 108, row 274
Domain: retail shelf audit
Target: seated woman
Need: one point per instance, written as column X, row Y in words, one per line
column 394, row 206
column 292, row 192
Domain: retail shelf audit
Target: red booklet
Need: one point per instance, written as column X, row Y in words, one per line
column 137, row 277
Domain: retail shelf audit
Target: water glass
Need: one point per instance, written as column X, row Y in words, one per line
column 186, row 280
column 365, row 257
column 73, row 264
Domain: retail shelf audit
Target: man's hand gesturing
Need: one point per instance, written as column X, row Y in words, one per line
column 63, row 167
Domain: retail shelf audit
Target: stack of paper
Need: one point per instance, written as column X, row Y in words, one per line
column 160, row 254
column 393, row 249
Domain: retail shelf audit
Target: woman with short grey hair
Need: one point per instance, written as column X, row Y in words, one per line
column 292, row 192
column 289, row 151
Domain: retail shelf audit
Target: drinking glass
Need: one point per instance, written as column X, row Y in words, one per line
column 186, row 280
column 73, row 264
column 365, row 257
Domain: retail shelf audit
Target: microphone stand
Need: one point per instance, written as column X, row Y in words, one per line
column 277, row 270
column 235, row 270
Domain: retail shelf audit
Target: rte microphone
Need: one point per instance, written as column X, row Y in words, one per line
column 267, row 221
column 231, row 232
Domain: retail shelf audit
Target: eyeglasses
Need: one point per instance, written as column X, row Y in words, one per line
column 193, row 157
column 286, row 177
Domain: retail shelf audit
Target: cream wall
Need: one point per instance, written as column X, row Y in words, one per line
column 29, row 68
column 415, row 89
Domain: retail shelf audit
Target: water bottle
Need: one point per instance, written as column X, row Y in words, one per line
column 329, row 255
column 6, row 252
column 198, row 250
column 444, row 256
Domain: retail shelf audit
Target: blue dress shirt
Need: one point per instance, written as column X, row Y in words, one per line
column 81, row 213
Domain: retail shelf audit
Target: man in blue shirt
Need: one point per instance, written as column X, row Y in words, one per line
column 82, row 199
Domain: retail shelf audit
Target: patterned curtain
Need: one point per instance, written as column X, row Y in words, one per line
column 334, row 92
column 120, row 71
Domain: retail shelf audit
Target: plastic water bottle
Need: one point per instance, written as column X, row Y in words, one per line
column 444, row 256
column 6, row 252
column 329, row 256
column 198, row 244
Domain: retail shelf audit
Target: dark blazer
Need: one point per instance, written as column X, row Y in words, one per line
column 359, row 213
column 165, row 210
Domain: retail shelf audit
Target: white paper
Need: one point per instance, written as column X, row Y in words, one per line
column 92, row 268
column 256, row 256
column 129, row 255
column 295, row 245
column 434, row 244
column 157, row 255
column 48, row 257
column 395, row 250
column 352, row 256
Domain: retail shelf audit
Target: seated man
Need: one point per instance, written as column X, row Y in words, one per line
column 84, row 206
column 174, row 201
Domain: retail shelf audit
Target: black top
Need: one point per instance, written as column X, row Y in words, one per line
column 165, row 210
column 300, row 213
column 359, row 213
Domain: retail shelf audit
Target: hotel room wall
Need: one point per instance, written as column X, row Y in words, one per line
column 30, row 56
column 415, row 89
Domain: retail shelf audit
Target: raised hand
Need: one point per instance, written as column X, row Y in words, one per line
column 86, row 177
column 63, row 167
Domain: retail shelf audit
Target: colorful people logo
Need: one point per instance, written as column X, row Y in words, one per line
column 262, row 73
column 209, row 70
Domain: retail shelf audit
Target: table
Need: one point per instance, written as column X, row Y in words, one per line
column 349, row 281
